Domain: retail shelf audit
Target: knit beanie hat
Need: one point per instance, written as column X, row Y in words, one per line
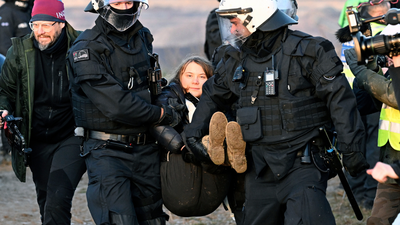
column 48, row 10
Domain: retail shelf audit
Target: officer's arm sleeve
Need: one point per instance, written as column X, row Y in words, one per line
column 333, row 88
column 342, row 106
column 107, row 94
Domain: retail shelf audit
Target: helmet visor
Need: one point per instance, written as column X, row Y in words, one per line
column 288, row 7
column 121, row 22
column 233, row 28
column 289, row 12
column 108, row 2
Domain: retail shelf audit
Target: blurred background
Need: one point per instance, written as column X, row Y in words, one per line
column 178, row 26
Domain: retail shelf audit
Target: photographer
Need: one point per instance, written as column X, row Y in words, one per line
column 382, row 171
column 364, row 186
column 384, row 210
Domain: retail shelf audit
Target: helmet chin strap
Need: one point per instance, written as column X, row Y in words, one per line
column 247, row 20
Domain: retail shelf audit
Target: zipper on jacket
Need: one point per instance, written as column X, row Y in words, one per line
column 60, row 76
column 52, row 79
column 50, row 115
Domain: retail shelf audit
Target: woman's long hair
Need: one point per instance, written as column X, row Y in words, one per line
column 204, row 63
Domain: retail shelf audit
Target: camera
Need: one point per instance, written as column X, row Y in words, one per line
column 375, row 45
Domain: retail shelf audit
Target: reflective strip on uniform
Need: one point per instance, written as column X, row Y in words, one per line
column 395, row 128
column 384, row 125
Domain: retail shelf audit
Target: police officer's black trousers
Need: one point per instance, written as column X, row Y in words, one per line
column 57, row 170
column 124, row 185
column 298, row 198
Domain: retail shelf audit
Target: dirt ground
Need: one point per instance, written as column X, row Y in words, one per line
column 178, row 28
column 18, row 205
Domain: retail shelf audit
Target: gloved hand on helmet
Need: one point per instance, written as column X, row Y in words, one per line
column 354, row 163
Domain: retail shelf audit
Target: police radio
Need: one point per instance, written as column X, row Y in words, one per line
column 269, row 79
column 156, row 81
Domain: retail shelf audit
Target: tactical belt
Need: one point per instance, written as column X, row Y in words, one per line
column 137, row 139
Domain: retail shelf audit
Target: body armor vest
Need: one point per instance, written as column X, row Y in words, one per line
column 129, row 66
column 294, row 110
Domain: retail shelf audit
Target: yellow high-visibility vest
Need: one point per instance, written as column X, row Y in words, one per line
column 389, row 127
column 376, row 28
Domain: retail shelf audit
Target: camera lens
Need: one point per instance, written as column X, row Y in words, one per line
column 378, row 45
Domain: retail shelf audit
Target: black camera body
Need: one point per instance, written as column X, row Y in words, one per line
column 15, row 137
column 375, row 45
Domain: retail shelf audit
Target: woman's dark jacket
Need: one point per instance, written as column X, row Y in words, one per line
column 167, row 136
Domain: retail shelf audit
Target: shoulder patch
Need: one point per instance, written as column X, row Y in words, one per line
column 327, row 45
column 81, row 55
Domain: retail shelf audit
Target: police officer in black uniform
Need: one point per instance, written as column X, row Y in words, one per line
column 213, row 37
column 287, row 84
column 14, row 21
column 110, row 93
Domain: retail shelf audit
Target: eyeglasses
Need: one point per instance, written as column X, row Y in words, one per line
column 46, row 27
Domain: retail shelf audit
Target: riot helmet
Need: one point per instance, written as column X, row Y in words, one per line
column 119, row 19
column 289, row 7
column 239, row 19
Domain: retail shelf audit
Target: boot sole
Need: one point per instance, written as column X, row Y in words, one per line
column 236, row 147
column 217, row 129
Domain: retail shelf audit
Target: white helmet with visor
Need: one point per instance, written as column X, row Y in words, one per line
column 119, row 21
column 238, row 19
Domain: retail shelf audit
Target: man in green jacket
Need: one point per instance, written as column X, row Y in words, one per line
column 34, row 85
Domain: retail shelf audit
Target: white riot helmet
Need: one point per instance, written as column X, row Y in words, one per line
column 238, row 19
column 119, row 21
column 289, row 7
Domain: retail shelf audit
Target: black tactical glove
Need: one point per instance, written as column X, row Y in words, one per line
column 173, row 103
column 354, row 163
column 188, row 157
column 172, row 115
column 197, row 148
